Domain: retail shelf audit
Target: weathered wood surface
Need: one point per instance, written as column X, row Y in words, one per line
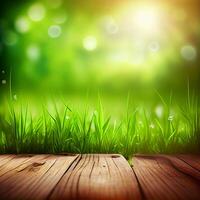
column 99, row 177
column 95, row 177
column 163, row 177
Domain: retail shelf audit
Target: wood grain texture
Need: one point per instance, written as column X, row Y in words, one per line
column 192, row 160
column 14, row 162
column 163, row 177
column 34, row 179
column 98, row 177
column 5, row 159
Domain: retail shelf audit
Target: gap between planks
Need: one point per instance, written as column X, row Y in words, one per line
column 99, row 177
column 88, row 176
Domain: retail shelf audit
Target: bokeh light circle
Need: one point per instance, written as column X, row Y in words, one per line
column 110, row 25
column 33, row 52
column 189, row 52
column 159, row 111
column 3, row 82
column 154, row 46
column 54, row 31
column 22, row 24
column 11, row 38
column 90, row 43
column 36, row 12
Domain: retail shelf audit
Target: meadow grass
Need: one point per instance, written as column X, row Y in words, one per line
column 171, row 127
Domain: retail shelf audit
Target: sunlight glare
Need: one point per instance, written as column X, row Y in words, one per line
column 146, row 18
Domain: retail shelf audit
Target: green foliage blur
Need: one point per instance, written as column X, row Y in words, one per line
column 132, row 55
column 72, row 46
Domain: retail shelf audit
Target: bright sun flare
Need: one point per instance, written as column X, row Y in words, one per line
column 146, row 18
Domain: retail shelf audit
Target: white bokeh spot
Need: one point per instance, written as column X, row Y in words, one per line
column 33, row 52
column 54, row 31
column 189, row 52
column 90, row 43
column 159, row 111
column 3, row 81
column 22, row 24
column 36, row 12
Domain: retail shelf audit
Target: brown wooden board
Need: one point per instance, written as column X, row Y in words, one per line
column 98, row 177
column 5, row 159
column 95, row 176
column 164, row 177
column 34, row 179
column 192, row 160
column 14, row 162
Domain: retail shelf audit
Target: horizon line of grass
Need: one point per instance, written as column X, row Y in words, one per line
column 140, row 130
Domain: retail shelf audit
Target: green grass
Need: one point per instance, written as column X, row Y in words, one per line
column 173, row 128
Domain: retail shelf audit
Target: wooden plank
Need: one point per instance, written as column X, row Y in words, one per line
column 8, row 172
column 35, row 180
column 14, row 162
column 5, row 159
column 184, row 167
column 160, row 178
column 98, row 177
column 192, row 160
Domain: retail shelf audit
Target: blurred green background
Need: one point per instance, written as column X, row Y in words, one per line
column 72, row 46
column 99, row 76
